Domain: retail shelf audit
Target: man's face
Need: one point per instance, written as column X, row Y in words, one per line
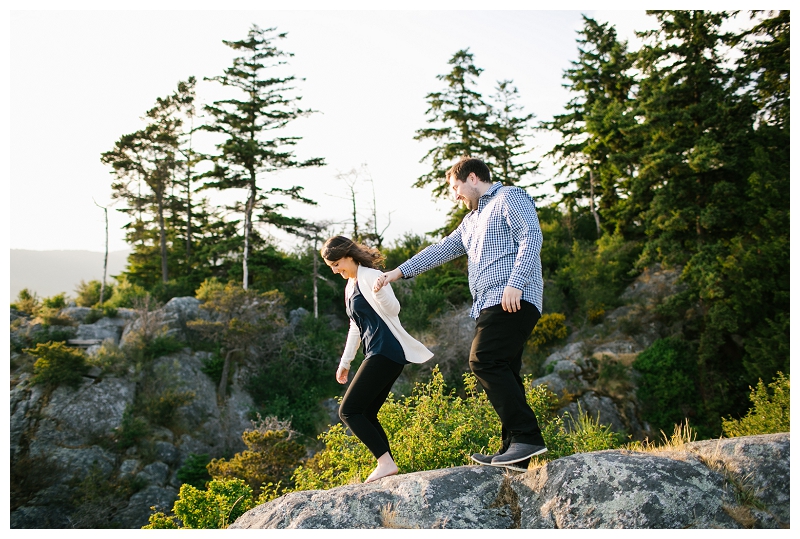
column 465, row 191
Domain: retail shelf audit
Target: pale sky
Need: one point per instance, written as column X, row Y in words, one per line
column 82, row 78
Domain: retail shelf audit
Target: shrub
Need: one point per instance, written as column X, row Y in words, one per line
column 215, row 508
column 27, row 302
column 57, row 364
column 435, row 428
column 270, row 458
column 49, row 311
column 110, row 358
column 550, row 328
column 125, row 294
column 194, row 470
column 159, row 408
column 290, row 384
column 769, row 413
column 131, row 430
column 667, row 390
column 88, row 294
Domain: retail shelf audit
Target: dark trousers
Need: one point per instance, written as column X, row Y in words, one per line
column 496, row 359
column 363, row 399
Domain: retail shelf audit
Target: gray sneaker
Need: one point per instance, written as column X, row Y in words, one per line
column 517, row 453
column 483, row 460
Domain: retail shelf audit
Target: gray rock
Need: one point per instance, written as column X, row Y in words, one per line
column 128, row 467
column 99, row 331
column 571, row 351
column 77, row 314
column 597, row 407
column 169, row 320
column 702, row 485
column 40, row 517
column 155, row 473
column 297, row 315
column 137, row 513
column 76, row 416
column 74, row 463
column 166, row 452
column 461, row 497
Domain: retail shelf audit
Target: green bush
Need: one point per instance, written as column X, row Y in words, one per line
column 435, row 428
column 270, row 458
column 667, row 388
column 27, row 302
column 215, row 508
column 550, row 328
column 88, row 294
column 110, row 358
column 160, row 407
column 57, row 363
column 131, row 430
column 769, row 413
column 194, row 471
column 125, row 294
column 291, row 383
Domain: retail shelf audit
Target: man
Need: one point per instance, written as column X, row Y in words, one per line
column 502, row 240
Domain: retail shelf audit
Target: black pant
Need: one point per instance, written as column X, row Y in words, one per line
column 363, row 399
column 496, row 359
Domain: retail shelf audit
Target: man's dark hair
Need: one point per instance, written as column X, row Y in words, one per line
column 468, row 165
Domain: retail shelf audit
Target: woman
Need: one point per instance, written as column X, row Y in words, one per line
column 387, row 346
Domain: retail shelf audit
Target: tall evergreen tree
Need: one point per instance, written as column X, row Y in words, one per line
column 148, row 156
column 460, row 119
column 598, row 149
column 247, row 152
column 510, row 128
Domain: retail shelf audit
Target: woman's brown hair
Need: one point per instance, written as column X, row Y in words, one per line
column 339, row 247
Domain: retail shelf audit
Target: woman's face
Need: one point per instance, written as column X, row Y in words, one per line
column 346, row 267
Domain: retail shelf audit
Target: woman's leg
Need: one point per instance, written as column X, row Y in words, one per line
column 366, row 394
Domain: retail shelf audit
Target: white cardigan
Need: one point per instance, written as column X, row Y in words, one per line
column 386, row 305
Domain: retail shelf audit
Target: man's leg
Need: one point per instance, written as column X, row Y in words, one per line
column 496, row 360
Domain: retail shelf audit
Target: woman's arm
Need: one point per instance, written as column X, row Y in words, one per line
column 387, row 300
column 351, row 346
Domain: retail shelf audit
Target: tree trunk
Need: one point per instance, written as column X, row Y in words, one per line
column 316, row 272
column 248, row 226
column 226, row 367
column 163, row 238
column 591, row 195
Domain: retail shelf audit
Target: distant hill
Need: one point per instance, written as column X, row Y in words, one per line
column 49, row 272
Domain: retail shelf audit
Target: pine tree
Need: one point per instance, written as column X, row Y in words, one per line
column 598, row 151
column 148, row 156
column 247, row 152
column 510, row 129
column 460, row 119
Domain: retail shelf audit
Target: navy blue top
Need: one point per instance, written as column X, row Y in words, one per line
column 376, row 336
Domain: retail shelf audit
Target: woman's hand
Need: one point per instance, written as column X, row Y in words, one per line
column 341, row 375
column 388, row 277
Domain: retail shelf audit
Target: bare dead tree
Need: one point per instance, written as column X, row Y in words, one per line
column 105, row 258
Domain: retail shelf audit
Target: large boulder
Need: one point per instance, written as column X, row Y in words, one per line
column 169, row 320
column 730, row 483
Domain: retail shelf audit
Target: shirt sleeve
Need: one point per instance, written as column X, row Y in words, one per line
column 351, row 346
column 449, row 248
column 520, row 214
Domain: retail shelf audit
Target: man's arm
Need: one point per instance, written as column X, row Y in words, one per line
column 451, row 247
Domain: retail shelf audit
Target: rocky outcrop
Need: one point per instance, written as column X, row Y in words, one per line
column 727, row 483
column 65, row 434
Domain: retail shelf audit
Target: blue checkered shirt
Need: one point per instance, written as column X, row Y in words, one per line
column 502, row 241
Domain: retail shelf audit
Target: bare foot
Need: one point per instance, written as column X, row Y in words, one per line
column 386, row 467
column 381, row 472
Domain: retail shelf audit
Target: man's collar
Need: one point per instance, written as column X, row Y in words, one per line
column 492, row 190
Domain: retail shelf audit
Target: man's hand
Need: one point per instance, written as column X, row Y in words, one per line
column 511, row 299
column 341, row 375
column 388, row 277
